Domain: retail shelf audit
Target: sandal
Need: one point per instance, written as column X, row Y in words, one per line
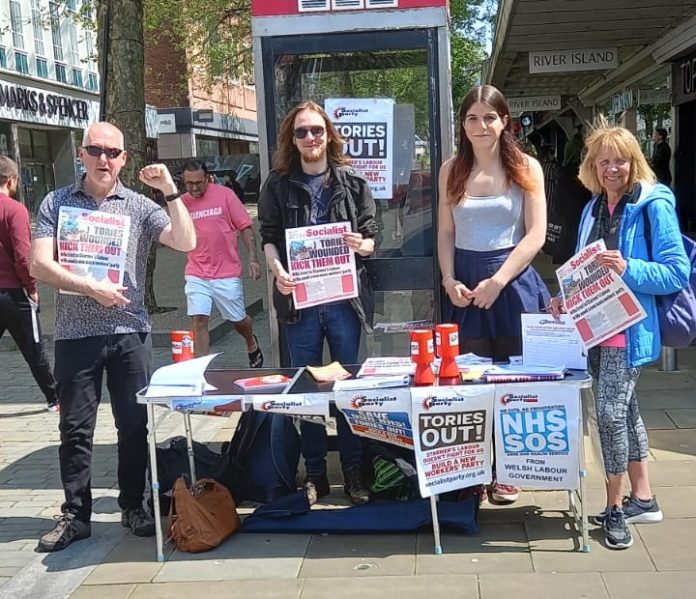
column 256, row 356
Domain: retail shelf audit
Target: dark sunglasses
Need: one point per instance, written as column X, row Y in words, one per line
column 301, row 132
column 97, row 151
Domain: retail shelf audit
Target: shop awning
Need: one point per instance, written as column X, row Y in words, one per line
column 554, row 27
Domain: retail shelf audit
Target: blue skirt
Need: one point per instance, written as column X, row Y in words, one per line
column 526, row 293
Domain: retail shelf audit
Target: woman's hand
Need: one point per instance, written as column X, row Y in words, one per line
column 614, row 260
column 556, row 307
column 284, row 282
column 486, row 292
column 459, row 294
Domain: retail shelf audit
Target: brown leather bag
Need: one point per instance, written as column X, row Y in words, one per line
column 201, row 517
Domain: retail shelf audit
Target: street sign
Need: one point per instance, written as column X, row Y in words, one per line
column 559, row 61
column 521, row 104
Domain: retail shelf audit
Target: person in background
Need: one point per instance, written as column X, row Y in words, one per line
column 492, row 223
column 313, row 184
column 232, row 183
column 103, row 326
column 626, row 205
column 661, row 157
column 19, row 297
column 572, row 153
column 214, row 270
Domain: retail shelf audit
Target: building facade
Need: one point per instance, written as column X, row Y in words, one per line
column 49, row 91
column 196, row 119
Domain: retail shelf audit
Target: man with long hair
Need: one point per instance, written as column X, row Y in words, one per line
column 312, row 184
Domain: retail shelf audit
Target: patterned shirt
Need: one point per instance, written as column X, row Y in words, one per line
column 78, row 316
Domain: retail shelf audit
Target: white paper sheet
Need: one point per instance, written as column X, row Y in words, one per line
column 181, row 379
column 550, row 342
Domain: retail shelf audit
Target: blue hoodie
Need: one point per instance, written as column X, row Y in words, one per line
column 663, row 272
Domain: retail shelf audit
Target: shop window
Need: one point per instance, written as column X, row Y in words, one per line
column 34, row 144
column 61, row 75
column 40, row 145
column 16, row 24
column 21, row 63
column 3, row 58
column 42, row 68
column 36, row 23
column 77, row 77
column 55, row 33
column 92, row 82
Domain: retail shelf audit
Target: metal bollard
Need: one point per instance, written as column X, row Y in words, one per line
column 669, row 360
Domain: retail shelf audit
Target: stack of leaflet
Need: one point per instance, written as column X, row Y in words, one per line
column 521, row 373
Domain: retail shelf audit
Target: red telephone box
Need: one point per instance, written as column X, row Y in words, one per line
column 391, row 56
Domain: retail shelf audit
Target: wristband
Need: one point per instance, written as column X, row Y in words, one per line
column 171, row 197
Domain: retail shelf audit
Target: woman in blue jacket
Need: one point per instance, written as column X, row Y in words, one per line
column 626, row 206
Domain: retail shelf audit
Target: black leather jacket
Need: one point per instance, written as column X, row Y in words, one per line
column 285, row 203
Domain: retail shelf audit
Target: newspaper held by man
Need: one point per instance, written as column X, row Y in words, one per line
column 596, row 298
column 93, row 244
column 321, row 263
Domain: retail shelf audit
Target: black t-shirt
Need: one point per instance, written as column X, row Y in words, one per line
column 320, row 194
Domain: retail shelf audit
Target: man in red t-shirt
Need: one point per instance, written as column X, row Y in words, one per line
column 19, row 298
column 214, row 269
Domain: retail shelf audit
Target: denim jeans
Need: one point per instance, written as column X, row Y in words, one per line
column 339, row 325
column 80, row 365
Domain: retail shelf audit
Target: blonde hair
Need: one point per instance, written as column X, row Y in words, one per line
column 620, row 141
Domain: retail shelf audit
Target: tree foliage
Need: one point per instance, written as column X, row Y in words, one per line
column 214, row 34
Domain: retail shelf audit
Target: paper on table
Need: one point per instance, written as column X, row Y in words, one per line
column 181, row 379
column 372, row 383
column 550, row 342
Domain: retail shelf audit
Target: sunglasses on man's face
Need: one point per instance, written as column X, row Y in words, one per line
column 97, row 151
column 301, row 132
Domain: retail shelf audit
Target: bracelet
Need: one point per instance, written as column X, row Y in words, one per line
column 171, row 197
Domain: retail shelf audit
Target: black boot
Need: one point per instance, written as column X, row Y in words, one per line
column 355, row 487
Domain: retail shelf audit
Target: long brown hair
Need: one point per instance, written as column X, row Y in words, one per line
column 287, row 156
column 514, row 162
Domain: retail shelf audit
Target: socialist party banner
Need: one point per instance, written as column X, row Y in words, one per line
column 536, row 435
column 452, row 437
column 312, row 407
column 367, row 125
column 382, row 414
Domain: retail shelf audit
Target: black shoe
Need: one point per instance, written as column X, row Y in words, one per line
column 316, row 486
column 68, row 529
column 636, row 511
column 256, row 356
column 139, row 521
column 355, row 487
column 616, row 532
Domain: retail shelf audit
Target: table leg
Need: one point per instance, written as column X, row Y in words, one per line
column 436, row 525
column 189, row 445
column 152, row 444
column 584, row 524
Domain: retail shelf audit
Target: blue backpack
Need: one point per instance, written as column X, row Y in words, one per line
column 676, row 312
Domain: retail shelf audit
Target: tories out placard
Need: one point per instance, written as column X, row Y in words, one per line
column 536, row 435
column 321, row 263
column 367, row 125
column 452, row 437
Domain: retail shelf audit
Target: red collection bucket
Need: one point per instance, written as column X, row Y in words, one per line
column 182, row 345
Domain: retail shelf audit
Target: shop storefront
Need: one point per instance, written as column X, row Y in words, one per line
column 684, row 97
column 40, row 128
